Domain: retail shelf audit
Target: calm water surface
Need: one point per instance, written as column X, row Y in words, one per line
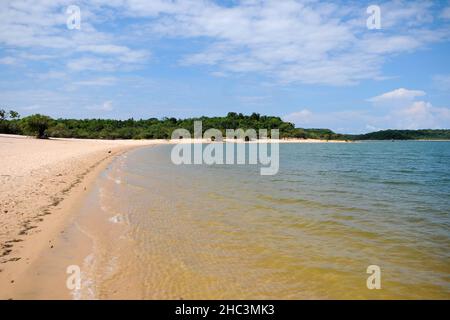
column 310, row 231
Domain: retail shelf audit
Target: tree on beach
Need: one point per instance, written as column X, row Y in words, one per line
column 2, row 114
column 38, row 125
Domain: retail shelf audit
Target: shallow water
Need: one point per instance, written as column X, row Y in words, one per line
column 311, row 231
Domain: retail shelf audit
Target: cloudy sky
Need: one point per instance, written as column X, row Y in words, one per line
column 316, row 64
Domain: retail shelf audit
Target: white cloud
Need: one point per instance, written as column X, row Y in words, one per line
column 91, row 64
column 405, row 13
column 103, row 49
column 299, row 41
column 105, row 106
column 36, row 57
column 403, row 113
column 102, row 81
column 41, row 26
column 30, row 99
column 50, row 75
column 422, row 115
column 123, row 53
column 291, row 40
column 350, row 121
column 396, row 95
column 32, row 107
column 418, row 115
column 406, row 113
column 8, row 60
column 302, row 117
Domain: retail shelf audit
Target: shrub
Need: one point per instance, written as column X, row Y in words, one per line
column 38, row 124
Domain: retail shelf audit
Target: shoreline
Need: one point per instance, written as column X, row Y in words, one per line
column 46, row 193
column 37, row 246
column 38, row 199
column 66, row 222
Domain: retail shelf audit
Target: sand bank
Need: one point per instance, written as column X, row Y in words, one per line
column 37, row 178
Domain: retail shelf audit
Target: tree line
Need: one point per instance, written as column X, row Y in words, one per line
column 424, row 134
column 43, row 126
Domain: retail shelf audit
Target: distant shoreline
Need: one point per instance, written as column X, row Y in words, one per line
column 173, row 141
column 164, row 128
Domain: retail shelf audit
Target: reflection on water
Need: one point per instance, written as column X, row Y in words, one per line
column 310, row 231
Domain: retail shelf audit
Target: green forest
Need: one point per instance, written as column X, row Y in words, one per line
column 426, row 134
column 43, row 126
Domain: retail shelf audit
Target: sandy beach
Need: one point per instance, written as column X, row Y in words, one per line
column 36, row 178
column 109, row 207
column 42, row 182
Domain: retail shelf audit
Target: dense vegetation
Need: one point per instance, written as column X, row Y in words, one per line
column 42, row 126
column 405, row 135
column 150, row 128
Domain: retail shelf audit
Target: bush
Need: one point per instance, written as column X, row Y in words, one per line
column 37, row 124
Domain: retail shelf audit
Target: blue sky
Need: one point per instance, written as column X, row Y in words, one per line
column 316, row 64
